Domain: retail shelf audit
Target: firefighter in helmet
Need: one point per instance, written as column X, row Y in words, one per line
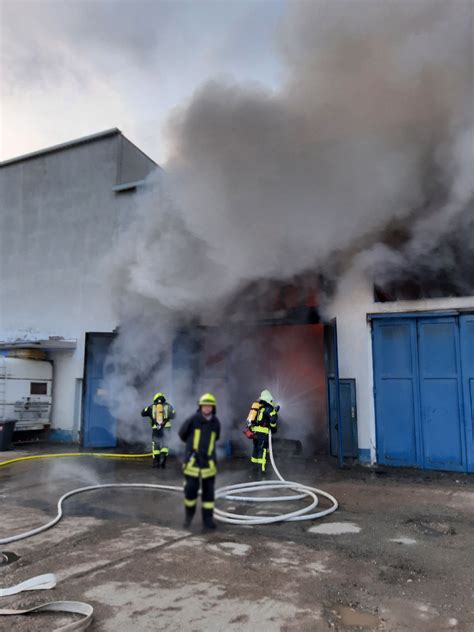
column 160, row 414
column 262, row 419
column 200, row 433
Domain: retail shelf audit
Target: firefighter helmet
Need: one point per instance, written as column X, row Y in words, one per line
column 267, row 397
column 207, row 400
column 159, row 397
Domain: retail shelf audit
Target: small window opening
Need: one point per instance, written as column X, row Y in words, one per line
column 38, row 388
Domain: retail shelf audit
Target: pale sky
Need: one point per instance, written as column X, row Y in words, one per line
column 70, row 68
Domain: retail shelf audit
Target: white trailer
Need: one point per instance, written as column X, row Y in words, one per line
column 26, row 392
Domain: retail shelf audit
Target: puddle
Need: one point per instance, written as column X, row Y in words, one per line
column 236, row 548
column 7, row 557
column 230, row 548
column 403, row 540
column 335, row 528
column 355, row 618
column 432, row 528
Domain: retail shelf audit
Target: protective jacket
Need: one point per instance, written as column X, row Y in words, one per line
column 200, row 435
column 262, row 420
column 160, row 415
column 265, row 418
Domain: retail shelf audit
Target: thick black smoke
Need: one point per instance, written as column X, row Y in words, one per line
column 372, row 127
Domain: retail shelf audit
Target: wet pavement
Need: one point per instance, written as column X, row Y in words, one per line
column 397, row 555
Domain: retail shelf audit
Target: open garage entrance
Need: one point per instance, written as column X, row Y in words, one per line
column 289, row 360
column 296, row 362
column 289, row 352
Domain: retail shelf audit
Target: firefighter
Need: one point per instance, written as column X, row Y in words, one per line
column 160, row 414
column 200, row 433
column 262, row 420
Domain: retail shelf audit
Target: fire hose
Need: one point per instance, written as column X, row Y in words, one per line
column 235, row 493
column 62, row 455
column 232, row 493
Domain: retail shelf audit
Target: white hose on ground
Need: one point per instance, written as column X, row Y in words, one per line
column 228, row 493
column 77, row 607
column 233, row 493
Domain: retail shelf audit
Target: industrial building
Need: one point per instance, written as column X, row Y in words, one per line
column 60, row 211
column 393, row 381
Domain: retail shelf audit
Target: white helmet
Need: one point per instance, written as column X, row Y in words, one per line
column 267, row 397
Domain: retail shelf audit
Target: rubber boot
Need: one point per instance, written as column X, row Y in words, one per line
column 208, row 523
column 262, row 474
column 163, row 461
column 188, row 518
column 156, row 461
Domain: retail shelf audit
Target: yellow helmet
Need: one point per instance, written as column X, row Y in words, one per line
column 159, row 396
column 207, row 400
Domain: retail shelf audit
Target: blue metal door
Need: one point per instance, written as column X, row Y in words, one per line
column 424, row 387
column 347, row 391
column 441, row 396
column 333, row 386
column 395, row 388
column 98, row 427
column 467, row 360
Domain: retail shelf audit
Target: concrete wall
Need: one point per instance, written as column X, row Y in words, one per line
column 354, row 300
column 133, row 165
column 58, row 218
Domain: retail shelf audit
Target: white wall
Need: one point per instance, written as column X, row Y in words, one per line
column 350, row 306
column 59, row 215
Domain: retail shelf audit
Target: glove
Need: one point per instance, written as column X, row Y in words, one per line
column 277, row 408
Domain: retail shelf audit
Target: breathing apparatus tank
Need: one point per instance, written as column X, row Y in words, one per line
column 158, row 413
column 251, row 419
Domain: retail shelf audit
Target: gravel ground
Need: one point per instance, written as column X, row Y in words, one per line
column 397, row 555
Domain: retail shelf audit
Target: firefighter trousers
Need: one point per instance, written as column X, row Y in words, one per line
column 158, row 446
column 191, row 491
column 260, row 451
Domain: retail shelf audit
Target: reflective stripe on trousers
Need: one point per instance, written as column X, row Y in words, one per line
column 157, row 450
column 261, row 460
column 191, row 469
column 191, row 490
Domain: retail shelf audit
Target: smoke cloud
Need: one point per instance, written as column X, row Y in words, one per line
column 373, row 126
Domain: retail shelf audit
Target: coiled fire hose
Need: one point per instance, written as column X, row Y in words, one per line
column 235, row 493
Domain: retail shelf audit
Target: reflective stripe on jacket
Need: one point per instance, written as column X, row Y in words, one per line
column 267, row 419
column 200, row 435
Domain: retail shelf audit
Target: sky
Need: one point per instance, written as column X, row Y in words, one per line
column 70, row 68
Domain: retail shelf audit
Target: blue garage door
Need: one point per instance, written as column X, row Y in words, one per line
column 467, row 359
column 442, row 421
column 395, row 389
column 420, row 386
column 98, row 426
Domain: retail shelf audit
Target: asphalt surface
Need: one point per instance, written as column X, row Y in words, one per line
column 397, row 555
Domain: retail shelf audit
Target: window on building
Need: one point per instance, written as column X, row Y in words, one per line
column 38, row 388
column 415, row 289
